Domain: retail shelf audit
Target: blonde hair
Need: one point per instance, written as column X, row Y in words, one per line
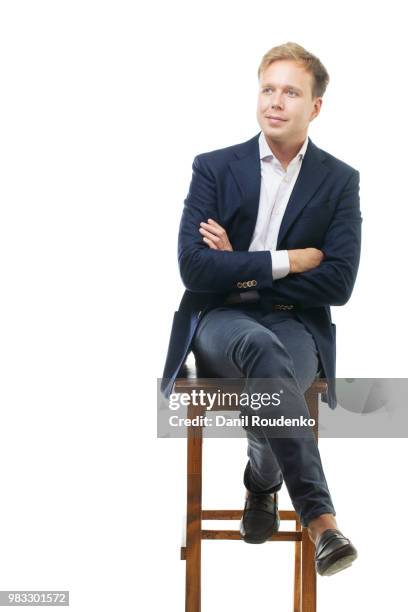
column 311, row 63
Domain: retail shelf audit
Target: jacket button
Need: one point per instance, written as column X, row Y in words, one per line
column 254, row 283
column 245, row 284
column 239, row 285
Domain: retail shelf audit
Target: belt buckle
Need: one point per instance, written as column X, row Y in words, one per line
column 249, row 296
column 243, row 297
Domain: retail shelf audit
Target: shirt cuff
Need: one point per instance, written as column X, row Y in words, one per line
column 280, row 264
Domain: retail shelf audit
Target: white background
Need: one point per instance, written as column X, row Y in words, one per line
column 103, row 106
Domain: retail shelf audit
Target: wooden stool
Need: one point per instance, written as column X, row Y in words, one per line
column 304, row 599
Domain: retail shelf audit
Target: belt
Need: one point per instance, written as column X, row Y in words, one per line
column 253, row 297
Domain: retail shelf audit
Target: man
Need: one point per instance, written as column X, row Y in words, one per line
column 269, row 239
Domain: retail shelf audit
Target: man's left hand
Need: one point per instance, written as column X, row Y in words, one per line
column 215, row 236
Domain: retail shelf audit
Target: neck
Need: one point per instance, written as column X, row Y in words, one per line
column 285, row 151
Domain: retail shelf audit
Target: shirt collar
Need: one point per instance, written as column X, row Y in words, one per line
column 265, row 151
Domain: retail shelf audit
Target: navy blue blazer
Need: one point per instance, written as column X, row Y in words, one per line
column 323, row 212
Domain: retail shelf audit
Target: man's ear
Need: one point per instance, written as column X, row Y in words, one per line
column 317, row 105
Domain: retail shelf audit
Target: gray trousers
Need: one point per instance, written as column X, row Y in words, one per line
column 254, row 343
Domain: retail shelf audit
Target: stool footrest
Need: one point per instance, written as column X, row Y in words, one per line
column 231, row 515
column 232, row 534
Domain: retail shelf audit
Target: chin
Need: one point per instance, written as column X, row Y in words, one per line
column 272, row 129
column 275, row 133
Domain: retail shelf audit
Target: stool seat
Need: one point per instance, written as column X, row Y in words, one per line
column 304, row 595
column 191, row 377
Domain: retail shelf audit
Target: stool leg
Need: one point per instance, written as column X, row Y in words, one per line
column 308, row 573
column 298, row 575
column 312, row 400
column 194, row 508
column 308, row 548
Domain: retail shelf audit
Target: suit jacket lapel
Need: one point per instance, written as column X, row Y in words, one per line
column 247, row 172
column 311, row 175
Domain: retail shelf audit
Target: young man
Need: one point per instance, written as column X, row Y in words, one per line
column 269, row 239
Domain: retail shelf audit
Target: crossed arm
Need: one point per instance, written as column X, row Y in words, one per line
column 317, row 277
column 300, row 260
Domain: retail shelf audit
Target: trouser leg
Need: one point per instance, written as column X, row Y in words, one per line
column 263, row 473
column 237, row 343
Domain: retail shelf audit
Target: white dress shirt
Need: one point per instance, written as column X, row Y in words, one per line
column 276, row 187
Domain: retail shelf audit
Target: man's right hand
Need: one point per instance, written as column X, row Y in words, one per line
column 302, row 260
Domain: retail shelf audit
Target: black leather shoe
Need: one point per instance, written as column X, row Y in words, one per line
column 261, row 517
column 334, row 552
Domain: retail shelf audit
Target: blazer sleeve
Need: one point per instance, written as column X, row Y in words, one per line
column 207, row 270
column 331, row 283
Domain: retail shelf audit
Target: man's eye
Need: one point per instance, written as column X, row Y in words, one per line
column 268, row 89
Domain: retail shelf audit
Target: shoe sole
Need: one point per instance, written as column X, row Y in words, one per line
column 337, row 563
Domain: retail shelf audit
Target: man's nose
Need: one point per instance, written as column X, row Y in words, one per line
column 276, row 100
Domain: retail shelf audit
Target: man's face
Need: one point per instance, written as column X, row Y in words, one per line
column 285, row 91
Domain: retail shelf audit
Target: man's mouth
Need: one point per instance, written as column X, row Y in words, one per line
column 275, row 118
